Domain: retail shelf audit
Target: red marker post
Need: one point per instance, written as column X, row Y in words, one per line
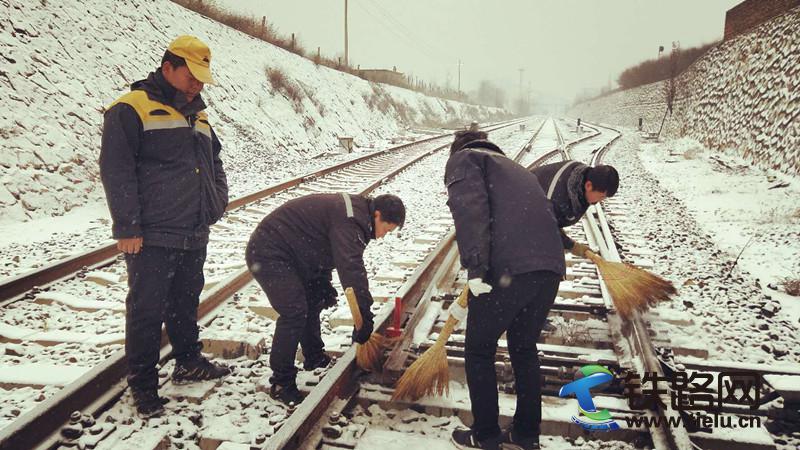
column 394, row 329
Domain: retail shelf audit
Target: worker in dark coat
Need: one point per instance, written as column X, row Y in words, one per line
column 292, row 253
column 572, row 187
column 509, row 243
column 165, row 185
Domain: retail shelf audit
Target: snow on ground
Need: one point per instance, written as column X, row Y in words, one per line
column 391, row 429
column 423, row 192
column 686, row 211
column 37, row 242
column 65, row 61
column 743, row 209
column 422, row 189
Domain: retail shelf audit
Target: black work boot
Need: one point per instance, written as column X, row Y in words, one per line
column 289, row 395
column 198, row 369
column 148, row 403
column 320, row 361
column 465, row 439
column 514, row 441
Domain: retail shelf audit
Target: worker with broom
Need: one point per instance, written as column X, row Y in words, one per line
column 508, row 238
column 292, row 253
column 571, row 187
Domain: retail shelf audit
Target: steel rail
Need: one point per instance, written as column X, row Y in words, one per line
column 399, row 355
column 340, row 383
column 103, row 384
column 415, row 295
column 635, row 330
column 13, row 287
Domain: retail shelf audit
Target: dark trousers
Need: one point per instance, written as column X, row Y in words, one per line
column 299, row 303
column 520, row 310
column 164, row 286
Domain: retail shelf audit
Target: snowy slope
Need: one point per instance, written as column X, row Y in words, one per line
column 63, row 62
column 713, row 227
column 750, row 213
column 742, row 95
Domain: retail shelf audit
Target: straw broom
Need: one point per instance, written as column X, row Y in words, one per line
column 631, row 288
column 368, row 354
column 429, row 374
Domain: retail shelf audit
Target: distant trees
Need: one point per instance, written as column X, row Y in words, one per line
column 654, row 70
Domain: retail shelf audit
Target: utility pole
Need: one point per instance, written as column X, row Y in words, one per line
column 346, row 59
column 521, row 71
column 528, row 104
column 459, row 75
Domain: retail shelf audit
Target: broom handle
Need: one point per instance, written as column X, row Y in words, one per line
column 354, row 310
column 463, row 298
column 450, row 325
column 447, row 330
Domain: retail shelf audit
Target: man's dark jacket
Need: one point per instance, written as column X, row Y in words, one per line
column 160, row 167
column 504, row 223
column 314, row 234
column 568, row 196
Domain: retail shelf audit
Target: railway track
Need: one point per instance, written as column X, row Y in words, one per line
column 587, row 331
column 344, row 407
column 93, row 298
column 20, row 285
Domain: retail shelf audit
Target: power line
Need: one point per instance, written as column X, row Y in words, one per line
column 398, row 33
column 406, row 30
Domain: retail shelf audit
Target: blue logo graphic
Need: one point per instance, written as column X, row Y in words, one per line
column 589, row 417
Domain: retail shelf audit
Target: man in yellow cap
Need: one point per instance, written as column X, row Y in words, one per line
column 164, row 182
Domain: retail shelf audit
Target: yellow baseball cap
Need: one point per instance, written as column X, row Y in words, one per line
column 197, row 56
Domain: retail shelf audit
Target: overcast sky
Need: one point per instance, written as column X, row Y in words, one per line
column 564, row 46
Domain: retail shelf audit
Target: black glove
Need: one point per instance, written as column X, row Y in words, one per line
column 329, row 296
column 362, row 336
column 320, row 293
column 579, row 249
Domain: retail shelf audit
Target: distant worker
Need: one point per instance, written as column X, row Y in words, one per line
column 292, row 253
column 165, row 184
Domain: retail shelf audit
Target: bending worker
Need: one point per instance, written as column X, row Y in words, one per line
column 292, row 253
column 509, row 243
column 571, row 187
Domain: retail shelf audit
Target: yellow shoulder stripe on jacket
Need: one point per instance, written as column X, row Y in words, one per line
column 154, row 115
column 202, row 125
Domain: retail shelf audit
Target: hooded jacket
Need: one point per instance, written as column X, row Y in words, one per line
column 160, row 167
column 504, row 223
column 314, row 234
column 567, row 179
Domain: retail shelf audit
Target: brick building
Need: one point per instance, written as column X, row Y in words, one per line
column 751, row 13
column 385, row 76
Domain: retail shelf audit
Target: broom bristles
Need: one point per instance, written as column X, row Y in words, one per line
column 631, row 288
column 369, row 355
column 428, row 375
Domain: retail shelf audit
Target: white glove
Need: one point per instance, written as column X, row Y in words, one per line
column 457, row 311
column 478, row 287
